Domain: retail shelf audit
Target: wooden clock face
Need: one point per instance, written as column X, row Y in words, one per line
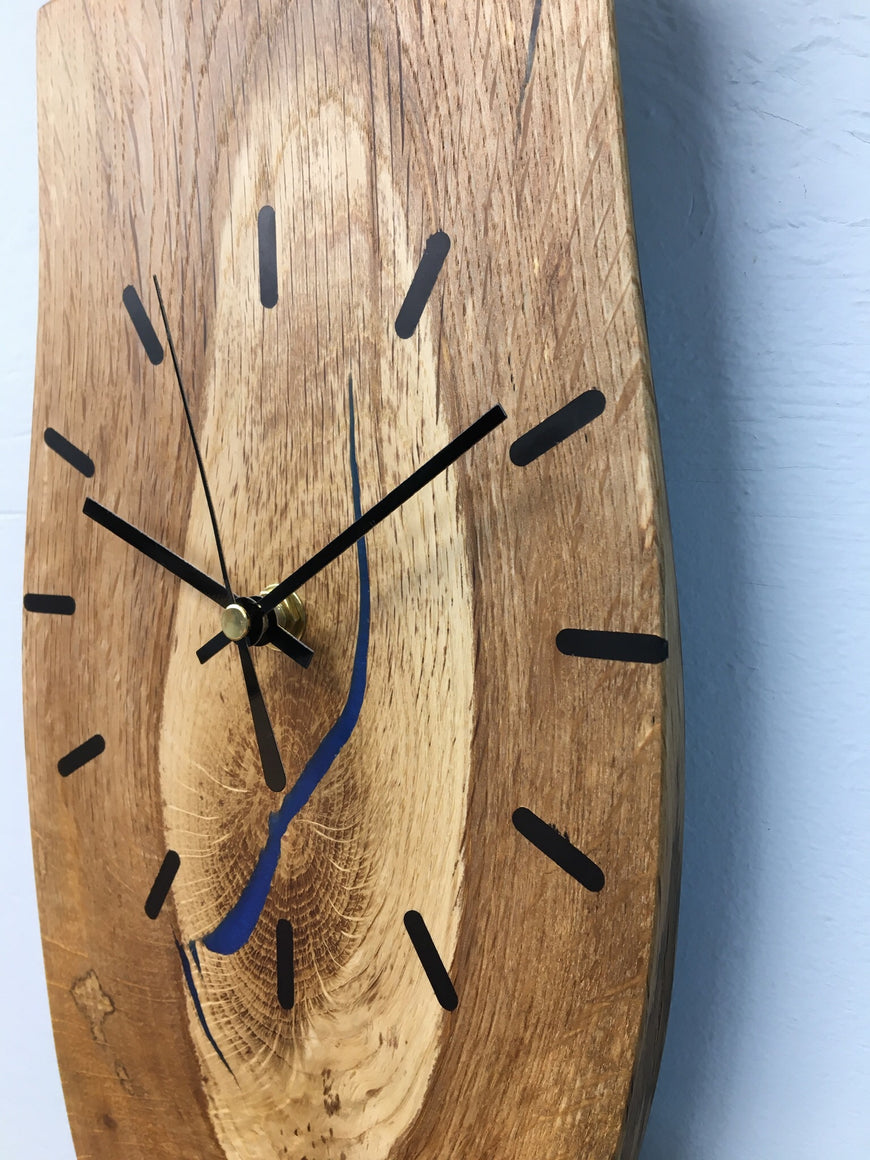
column 449, row 931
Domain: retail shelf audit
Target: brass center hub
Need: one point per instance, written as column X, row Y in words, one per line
column 236, row 620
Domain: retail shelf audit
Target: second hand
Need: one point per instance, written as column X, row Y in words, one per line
column 270, row 757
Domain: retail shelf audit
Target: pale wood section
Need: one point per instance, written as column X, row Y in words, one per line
column 164, row 128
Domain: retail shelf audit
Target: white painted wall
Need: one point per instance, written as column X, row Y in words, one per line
column 749, row 143
column 749, row 140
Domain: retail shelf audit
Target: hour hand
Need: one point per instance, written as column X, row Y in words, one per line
column 157, row 552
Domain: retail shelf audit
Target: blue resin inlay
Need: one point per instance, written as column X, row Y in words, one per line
column 236, row 928
column 191, row 986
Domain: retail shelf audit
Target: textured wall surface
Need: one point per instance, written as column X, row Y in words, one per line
column 749, row 142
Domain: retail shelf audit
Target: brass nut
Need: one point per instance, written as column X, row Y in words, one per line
column 290, row 613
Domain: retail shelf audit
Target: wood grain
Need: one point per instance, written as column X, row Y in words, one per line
column 164, row 129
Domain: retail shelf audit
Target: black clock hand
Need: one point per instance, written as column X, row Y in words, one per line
column 386, row 506
column 383, row 508
column 273, row 766
column 270, row 757
column 213, row 589
column 290, row 645
column 155, row 551
column 196, row 451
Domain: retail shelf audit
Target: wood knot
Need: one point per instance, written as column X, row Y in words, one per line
column 93, row 1002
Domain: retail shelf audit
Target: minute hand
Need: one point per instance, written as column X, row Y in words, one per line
column 383, row 508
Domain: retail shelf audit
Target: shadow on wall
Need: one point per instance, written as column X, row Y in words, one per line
column 678, row 182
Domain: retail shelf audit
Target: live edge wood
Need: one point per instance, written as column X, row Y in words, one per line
column 164, row 127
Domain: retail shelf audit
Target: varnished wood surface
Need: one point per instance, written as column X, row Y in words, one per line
column 164, row 128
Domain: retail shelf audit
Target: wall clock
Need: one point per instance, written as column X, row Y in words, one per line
column 341, row 352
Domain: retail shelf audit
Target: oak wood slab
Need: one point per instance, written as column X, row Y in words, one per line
column 164, row 129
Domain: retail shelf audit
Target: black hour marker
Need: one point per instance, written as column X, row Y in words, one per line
column 556, row 427
column 422, row 284
column 55, row 605
column 162, row 883
column 558, row 849
column 284, row 959
column 612, row 646
column 140, row 319
column 81, row 755
column 68, row 451
column 268, row 256
column 435, row 970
